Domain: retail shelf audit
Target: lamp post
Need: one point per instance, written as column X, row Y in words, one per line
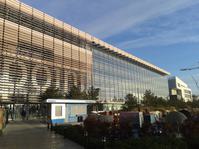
column 138, row 102
column 104, row 142
column 138, row 95
column 86, row 139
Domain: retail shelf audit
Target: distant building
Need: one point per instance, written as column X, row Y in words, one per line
column 195, row 97
column 179, row 89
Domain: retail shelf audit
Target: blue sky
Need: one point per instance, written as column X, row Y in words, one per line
column 163, row 32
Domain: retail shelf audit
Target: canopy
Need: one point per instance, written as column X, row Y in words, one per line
column 70, row 101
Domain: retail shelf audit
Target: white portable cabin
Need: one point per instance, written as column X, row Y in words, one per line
column 67, row 110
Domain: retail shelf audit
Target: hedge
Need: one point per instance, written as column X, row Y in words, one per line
column 76, row 134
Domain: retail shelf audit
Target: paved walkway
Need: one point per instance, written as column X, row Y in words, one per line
column 33, row 135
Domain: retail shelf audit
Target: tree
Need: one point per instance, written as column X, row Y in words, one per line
column 130, row 103
column 151, row 100
column 195, row 103
column 74, row 93
column 177, row 103
column 162, row 102
column 93, row 93
column 51, row 92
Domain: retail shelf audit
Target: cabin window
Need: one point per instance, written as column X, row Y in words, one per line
column 58, row 111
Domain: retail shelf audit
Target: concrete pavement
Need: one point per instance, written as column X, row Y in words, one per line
column 33, row 135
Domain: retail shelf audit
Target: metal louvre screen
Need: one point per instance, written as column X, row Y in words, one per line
column 38, row 51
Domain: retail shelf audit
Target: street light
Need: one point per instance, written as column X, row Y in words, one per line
column 104, row 142
column 138, row 103
column 86, row 139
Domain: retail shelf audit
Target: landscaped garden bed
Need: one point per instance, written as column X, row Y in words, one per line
column 80, row 136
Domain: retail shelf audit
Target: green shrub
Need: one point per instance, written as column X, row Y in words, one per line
column 193, row 142
column 149, row 143
column 76, row 134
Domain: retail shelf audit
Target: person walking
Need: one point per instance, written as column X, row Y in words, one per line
column 7, row 115
column 11, row 113
column 23, row 114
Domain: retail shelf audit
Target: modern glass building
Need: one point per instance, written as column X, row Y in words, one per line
column 38, row 51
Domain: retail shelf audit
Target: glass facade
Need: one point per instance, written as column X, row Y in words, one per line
column 38, row 51
column 117, row 77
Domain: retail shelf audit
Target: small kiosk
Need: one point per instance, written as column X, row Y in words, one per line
column 62, row 111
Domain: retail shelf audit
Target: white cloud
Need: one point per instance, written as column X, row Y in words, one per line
column 183, row 34
column 134, row 13
column 179, row 27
